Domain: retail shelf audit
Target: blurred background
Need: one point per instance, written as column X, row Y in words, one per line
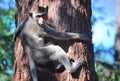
column 106, row 39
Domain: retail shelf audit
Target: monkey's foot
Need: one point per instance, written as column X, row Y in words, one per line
column 76, row 65
column 79, row 62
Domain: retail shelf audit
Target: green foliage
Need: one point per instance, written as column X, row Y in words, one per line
column 6, row 43
column 6, row 77
column 106, row 73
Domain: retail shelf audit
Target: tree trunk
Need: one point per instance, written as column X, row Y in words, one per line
column 65, row 16
column 117, row 32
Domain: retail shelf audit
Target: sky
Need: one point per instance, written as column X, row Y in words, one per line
column 6, row 3
column 104, row 28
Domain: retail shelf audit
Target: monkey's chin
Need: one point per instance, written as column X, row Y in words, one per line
column 40, row 21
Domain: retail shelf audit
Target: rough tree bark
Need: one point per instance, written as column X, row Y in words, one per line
column 64, row 15
column 117, row 33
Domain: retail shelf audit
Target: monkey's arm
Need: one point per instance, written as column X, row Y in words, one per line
column 51, row 32
column 19, row 28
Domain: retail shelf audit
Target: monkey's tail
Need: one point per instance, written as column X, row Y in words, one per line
column 33, row 68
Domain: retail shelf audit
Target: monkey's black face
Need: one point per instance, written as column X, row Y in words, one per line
column 41, row 9
column 41, row 12
column 38, row 12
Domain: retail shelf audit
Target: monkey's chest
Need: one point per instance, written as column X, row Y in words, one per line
column 35, row 42
column 39, row 42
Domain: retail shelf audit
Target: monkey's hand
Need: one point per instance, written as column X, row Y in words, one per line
column 83, row 37
column 80, row 37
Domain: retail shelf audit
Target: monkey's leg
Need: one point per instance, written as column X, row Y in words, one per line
column 56, row 53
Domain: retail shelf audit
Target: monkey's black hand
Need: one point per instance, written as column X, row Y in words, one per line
column 83, row 62
column 80, row 37
column 84, row 38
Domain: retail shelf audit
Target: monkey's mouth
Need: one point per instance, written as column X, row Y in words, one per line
column 40, row 15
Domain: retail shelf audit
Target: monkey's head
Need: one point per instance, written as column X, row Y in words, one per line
column 38, row 13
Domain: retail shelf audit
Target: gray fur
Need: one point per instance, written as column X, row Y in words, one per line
column 32, row 36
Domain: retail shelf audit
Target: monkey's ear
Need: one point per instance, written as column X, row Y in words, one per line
column 46, row 8
column 30, row 13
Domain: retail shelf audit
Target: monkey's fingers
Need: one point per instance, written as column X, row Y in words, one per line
column 81, row 62
column 84, row 38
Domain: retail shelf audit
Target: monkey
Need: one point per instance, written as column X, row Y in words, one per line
column 32, row 32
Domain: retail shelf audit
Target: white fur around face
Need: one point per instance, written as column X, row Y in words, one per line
column 40, row 20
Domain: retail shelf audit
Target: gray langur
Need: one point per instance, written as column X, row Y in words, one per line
column 32, row 32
